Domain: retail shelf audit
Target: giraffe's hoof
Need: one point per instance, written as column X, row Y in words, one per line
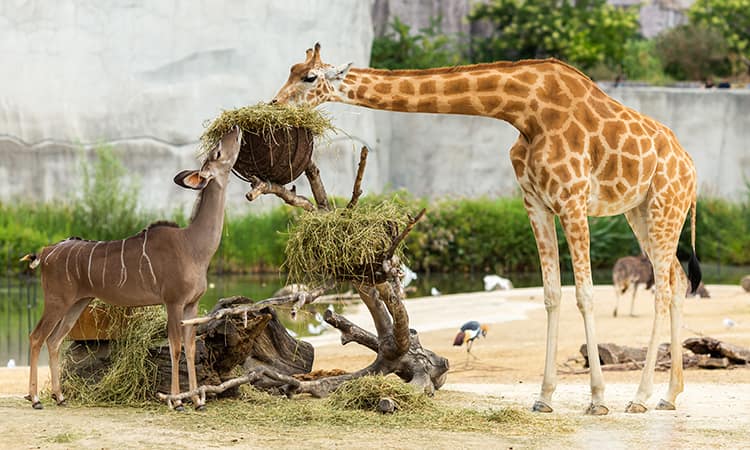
column 597, row 410
column 665, row 406
column 635, row 408
column 37, row 405
column 28, row 397
column 200, row 408
column 62, row 402
column 179, row 408
column 540, row 406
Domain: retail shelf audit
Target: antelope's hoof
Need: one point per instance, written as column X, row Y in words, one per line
column 28, row 397
column 541, row 407
column 614, row 313
column 179, row 408
column 62, row 402
column 665, row 406
column 635, row 408
column 200, row 408
column 597, row 410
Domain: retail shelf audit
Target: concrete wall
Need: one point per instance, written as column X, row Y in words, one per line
column 145, row 77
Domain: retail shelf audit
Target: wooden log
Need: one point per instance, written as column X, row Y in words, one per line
column 705, row 345
column 707, row 362
column 610, row 354
column 387, row 405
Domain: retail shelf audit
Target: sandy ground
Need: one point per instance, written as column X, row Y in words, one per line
column 505, row 369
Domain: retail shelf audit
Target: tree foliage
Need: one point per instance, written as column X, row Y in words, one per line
column 583, row 32
column 691, row 52
column 730, row 18
column 399, row 48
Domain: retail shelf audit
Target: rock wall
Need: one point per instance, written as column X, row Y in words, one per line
column 144, row 78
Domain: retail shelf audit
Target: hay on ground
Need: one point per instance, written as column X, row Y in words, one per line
column 343, row 244
column 130, row 377
column 365, row 393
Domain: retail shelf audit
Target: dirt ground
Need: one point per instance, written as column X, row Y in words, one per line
column 505, row 369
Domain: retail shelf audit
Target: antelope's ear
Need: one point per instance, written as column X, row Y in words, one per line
column 190, row 179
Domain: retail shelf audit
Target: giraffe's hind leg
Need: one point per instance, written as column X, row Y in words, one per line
column 676, row 381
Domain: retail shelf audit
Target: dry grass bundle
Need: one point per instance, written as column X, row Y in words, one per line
column 365, row 393
column 130, row 377
column 343, row 244
column 265, row 119
column 277, row 142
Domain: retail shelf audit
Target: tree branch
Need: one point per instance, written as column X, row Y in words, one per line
column 316, row 185
column 357, row 189
column 289, row 196
column 404, row 233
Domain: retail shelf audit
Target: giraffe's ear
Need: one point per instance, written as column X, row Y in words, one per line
column 338, row 73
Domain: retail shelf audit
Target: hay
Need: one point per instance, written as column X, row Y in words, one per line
column 265, row 119
column 130, row 377
column 343, row 244
column 364, row 393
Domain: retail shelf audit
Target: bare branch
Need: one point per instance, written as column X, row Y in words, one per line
column 316, row 185
column 357, row 190
column 289, row 196
column 404, row 232
column 350, row 332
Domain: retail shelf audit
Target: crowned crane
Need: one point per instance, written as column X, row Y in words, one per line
column 469, row 332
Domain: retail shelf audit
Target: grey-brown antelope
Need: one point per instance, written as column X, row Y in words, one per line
column 163, row 264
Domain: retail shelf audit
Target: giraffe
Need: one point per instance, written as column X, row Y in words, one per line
column 579, row 153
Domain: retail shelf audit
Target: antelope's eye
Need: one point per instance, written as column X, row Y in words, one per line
column 309, row 78
column 217, row 156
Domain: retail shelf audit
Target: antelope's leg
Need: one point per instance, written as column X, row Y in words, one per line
column 174, row 334
column 55, row 340
column 49, row 320
column 188, row 338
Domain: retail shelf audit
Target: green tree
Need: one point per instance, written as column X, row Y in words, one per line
column 399, row 48
column 730, row 18
column 583, row 32
column 693, row 52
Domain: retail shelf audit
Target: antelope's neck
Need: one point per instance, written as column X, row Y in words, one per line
column 207, row 222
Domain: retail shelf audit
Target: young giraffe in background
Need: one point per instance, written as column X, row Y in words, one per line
column 580, row 153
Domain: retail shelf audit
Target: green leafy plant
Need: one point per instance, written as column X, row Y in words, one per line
column 693, row 52
column 399, row 48
column 731, row 20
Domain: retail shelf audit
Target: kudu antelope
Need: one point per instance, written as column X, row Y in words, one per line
column 630, row 271
column 161, row 264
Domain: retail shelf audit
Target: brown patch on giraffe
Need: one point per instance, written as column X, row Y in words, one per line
column 513, row 107
column 406, row 87
column 625, row 115
column 427, row 87
column 516, row 89
column 610, row 169
column 636, row 128
column 577, row 89
column 671, row 168
column 490, row 102
column 488, row 83
column 462, row 104
column 630, row 147
column 526, row 77
column 552, row 92
column 607, row 193
column 602, row 109
column 621, row 187
column 365, row 80
column 350, row 94
column 532, row 126
column 361, row 91
column 630, row 167
column 563, row 172
column 577, row 166
column 455, row 87
column 519, row 167
column 555, row 151
column 553, row 118
column 596, row 150
column 575, row 137
column 612, row 132
column 383, row 88
column 428, row 104
column 586, row 117
column 400, row 103
column 534, row 105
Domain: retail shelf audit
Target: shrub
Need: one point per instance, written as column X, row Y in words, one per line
column 399, row 48
column 692, row 52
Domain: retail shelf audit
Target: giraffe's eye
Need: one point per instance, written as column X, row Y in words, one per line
column 309, row 78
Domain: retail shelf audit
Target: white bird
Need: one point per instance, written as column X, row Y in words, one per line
column 409, row 275
column 495, row 282
column 729, row 323
column 434, row 292
column 11, row 363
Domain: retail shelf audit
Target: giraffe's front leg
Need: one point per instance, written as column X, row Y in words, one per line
column 543, row 224
column 577, row 234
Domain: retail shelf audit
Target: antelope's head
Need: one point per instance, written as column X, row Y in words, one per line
column 312, row 82
column 218, row 164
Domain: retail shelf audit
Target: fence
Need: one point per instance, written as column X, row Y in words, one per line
column 20, row 309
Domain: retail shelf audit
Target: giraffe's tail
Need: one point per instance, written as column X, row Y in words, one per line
column 694, row 268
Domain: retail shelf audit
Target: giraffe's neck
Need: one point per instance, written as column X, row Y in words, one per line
column 506, row 91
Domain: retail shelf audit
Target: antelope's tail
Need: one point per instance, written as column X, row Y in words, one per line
column 694, row 268
column 33, row 260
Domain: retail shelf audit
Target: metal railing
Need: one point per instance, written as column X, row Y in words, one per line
column 20, row 309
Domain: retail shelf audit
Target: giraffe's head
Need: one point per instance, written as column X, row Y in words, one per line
column 312, row 82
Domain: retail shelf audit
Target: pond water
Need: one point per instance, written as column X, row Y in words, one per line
column 21, row 299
